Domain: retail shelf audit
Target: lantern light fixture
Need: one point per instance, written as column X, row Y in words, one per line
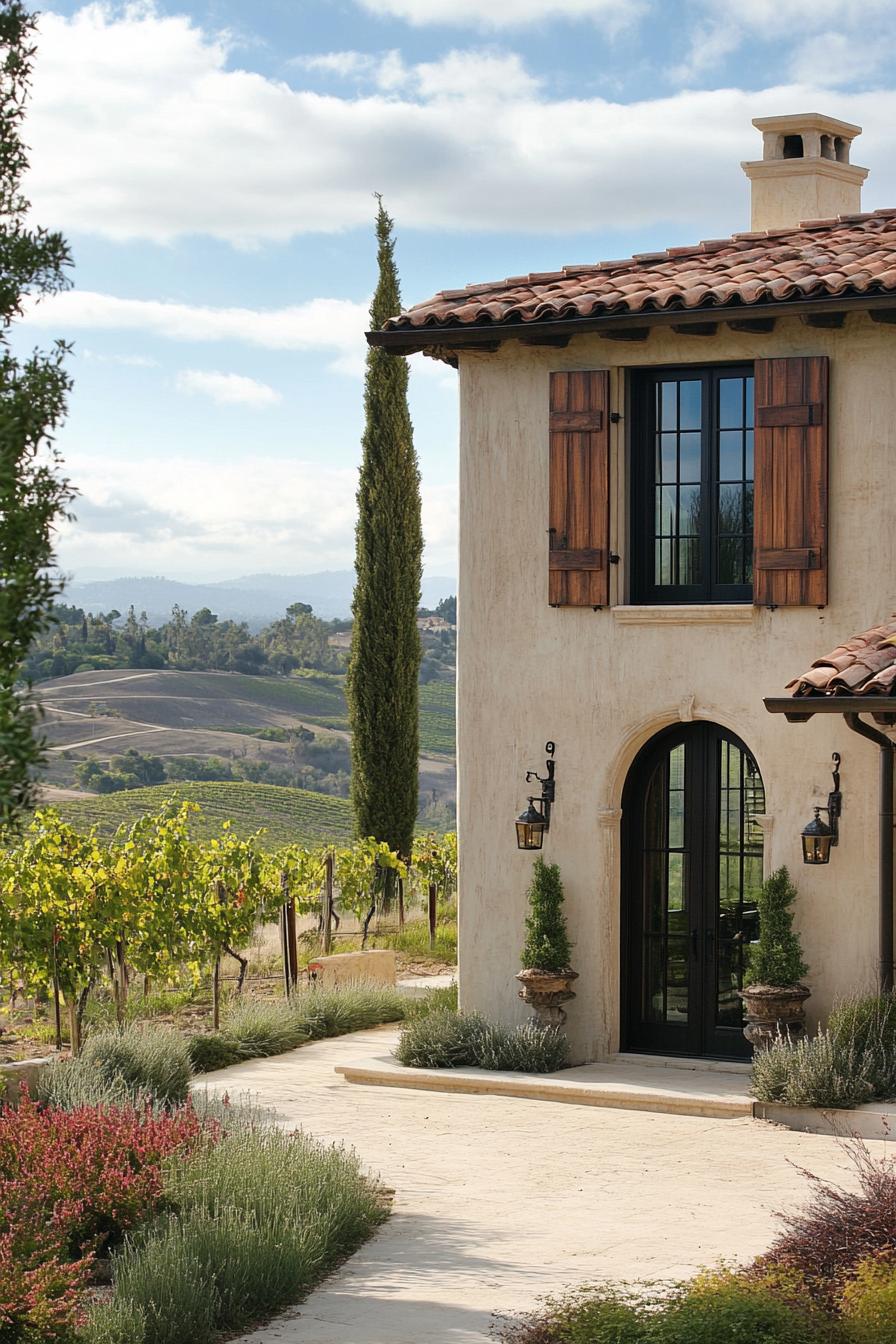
column 530, row 828
column 532, row 824
column 818, row 836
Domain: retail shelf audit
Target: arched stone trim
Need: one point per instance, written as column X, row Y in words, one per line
column 687, row 710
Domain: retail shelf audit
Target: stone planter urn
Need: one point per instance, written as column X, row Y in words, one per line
column 774, row 1011
column 545, row 992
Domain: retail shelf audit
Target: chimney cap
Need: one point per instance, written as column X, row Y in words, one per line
column 807, row 121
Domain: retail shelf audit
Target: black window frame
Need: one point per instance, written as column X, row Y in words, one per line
column 642, row 384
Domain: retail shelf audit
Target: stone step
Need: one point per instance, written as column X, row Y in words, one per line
column 620, row 1086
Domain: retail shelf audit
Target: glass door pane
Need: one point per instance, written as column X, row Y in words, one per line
column 741, row 797
column 665, row 916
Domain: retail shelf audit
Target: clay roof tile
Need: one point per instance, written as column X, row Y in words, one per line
column 864, row 664
column 836, row 257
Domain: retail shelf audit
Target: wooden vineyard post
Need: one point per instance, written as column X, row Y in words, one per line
column 116, row 995
column 284, row 934
column 57, row 1008
column 216, row 976
column 122, row 971
column 433, row 891
column 74, row 1026
column 326, row 931
column 400, row 903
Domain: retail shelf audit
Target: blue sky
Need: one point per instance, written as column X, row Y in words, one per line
column 213, row 165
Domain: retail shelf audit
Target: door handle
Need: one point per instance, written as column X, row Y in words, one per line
column 709, row 944
column 694, row 948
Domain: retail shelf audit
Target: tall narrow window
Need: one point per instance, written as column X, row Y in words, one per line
column 692, row 496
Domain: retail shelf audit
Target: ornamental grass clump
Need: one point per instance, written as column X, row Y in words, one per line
column 850, row 1063
column 445, row 1039
column 529, row 1048
column 865, row 1025
column 147, row 1060
column 256, row 1028
column 547, row 946
column 441, row 1040
column 251, row 1224
column 813, row 1071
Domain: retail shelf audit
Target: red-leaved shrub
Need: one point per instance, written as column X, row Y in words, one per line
column 79, row 1179
column 40, row 1295
column 839, row 1228
column 71, row 1184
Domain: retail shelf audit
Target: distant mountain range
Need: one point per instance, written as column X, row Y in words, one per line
column 256, row 598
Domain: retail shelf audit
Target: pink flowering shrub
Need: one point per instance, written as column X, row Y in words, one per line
column 71, row 1184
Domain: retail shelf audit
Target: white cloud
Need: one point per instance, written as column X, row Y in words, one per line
column 139, row 130
column 332, row 325
column 341, row 63
column 472, row 74
column 228, row 389
column 825, row 43
column 493, row 14
column 129, row 361
column 177, row 516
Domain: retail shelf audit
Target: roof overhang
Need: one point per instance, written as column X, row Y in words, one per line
column 622, row 326
column 799, row 709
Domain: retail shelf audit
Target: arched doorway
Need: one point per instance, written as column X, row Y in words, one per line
column 691, row 870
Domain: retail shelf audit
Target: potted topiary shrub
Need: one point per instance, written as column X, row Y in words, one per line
column 546, row 975
column 773, row 994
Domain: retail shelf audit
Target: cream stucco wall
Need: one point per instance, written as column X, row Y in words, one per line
column 601, row 686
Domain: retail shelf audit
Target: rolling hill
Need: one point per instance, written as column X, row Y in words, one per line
column 210, row 702
column 286, row 814
column 101, row 714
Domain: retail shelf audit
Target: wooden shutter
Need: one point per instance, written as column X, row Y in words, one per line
column 578, row 555
column 790, row 527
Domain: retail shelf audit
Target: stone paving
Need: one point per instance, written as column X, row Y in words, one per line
column 501, row 1200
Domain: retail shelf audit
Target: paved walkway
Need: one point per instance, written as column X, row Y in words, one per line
column 501, row 1200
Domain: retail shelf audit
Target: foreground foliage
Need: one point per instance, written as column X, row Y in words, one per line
column 205, row 1216
column 33, row 394
column 255, row 1222
column 445, row 1039
column 829, row 1278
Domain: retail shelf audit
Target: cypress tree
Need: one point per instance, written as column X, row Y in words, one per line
column 385, row 656
column 547, row 945
column 777, row 957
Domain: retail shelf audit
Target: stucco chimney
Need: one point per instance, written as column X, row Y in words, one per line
column 804, row 172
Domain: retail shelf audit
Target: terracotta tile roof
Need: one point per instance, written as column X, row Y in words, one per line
column 850, row 255
column 864, row 665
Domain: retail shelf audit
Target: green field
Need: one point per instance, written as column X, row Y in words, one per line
column 318, row 697
column 286, row 814
column 437, row 717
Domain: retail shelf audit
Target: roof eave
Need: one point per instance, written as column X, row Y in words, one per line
column 410, row 340
column 800, row 708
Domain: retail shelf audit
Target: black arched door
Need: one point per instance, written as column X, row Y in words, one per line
column 692, row 866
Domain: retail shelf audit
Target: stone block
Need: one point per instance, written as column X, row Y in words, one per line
column 375, row 966
column 17, row 1072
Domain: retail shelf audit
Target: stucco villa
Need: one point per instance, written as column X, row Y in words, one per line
column 675, row 501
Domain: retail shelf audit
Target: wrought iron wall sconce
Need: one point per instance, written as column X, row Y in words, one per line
column 532, row 824
column 819, row 835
